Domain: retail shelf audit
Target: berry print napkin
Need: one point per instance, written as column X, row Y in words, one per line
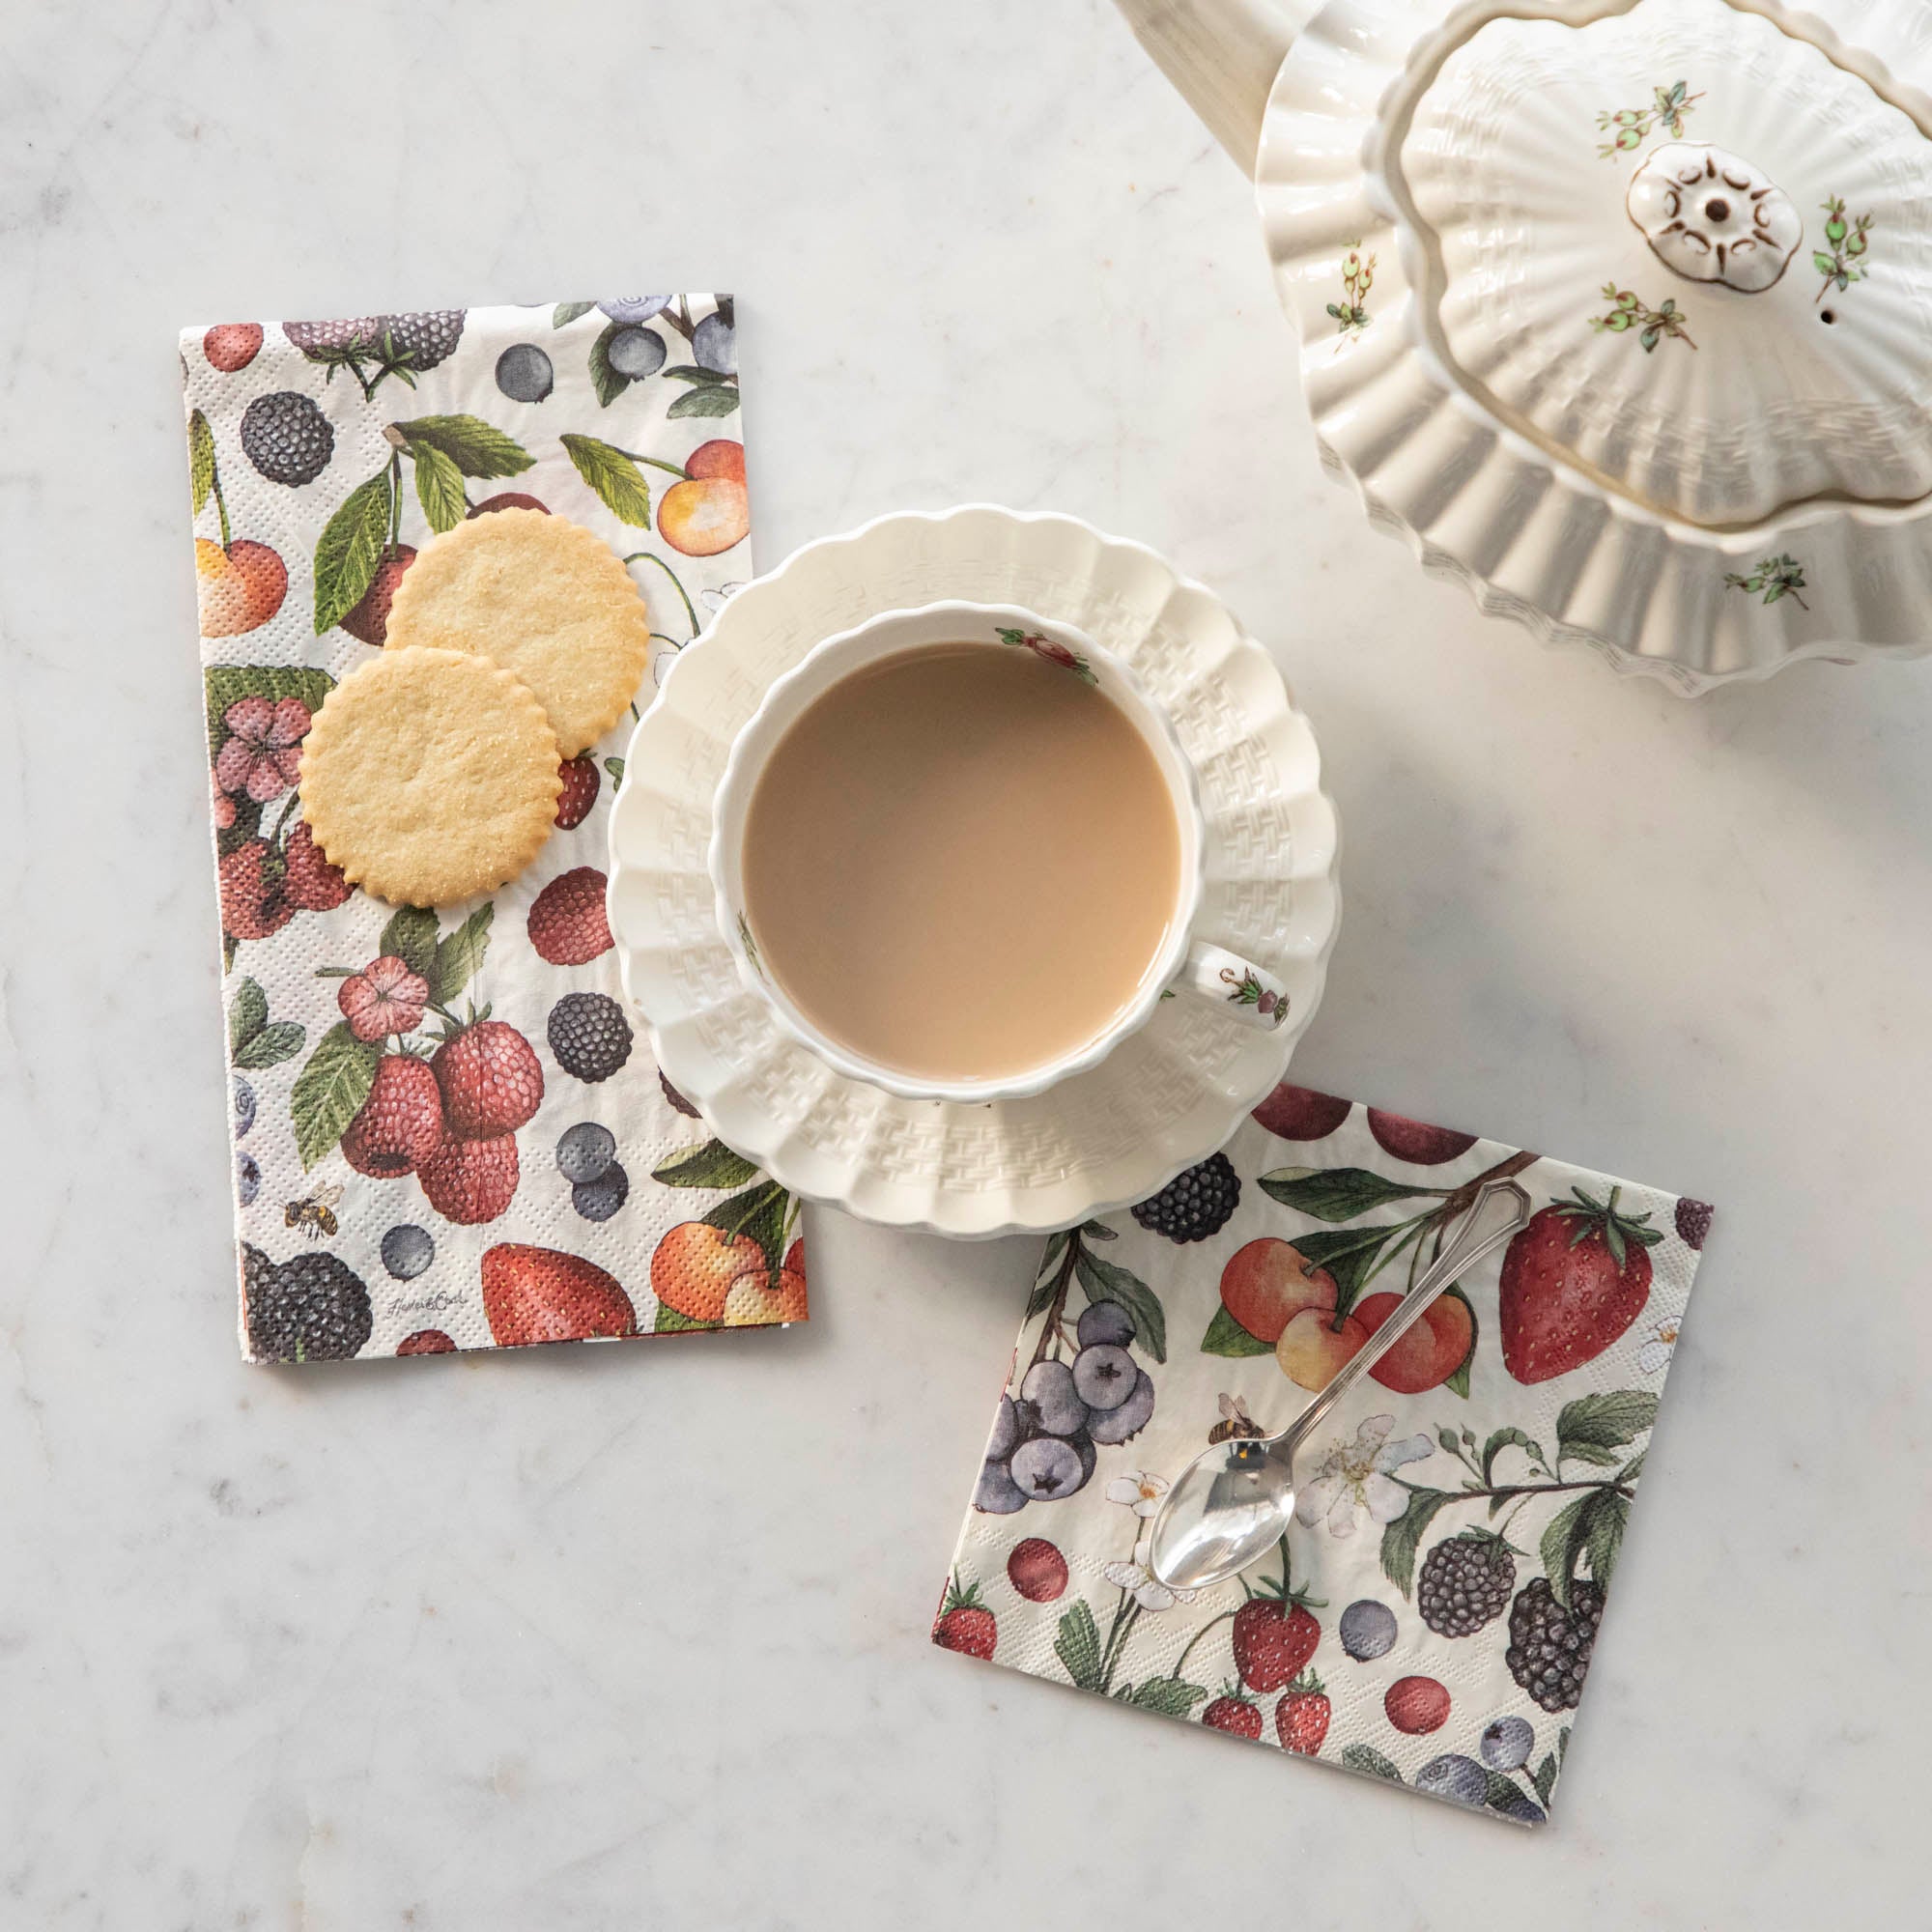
column 445, row 1132
column 1429, row 1618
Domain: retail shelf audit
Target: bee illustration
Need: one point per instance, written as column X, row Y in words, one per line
column 1234, row 1421
column 315, row 1212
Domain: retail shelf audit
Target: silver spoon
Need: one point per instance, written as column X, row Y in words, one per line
column 1232, row 1505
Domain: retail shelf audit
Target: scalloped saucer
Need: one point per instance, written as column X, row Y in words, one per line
column 1170, row 1094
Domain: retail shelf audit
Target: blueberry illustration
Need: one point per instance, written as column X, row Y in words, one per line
column 1104, row 1375
column 584, row 1152
column 1105, row 1322
column 1507, row 1743
column 713, row 343
column 1048, row 1468
column 1049, row 1387
column 245, row 1107
column 1122, row 1424
column 1006, row 1435
column 1455, row 1777
column 634, row 308
column 635, row 351
column 997, row 1494
column 1367, row 1630
column 408, row 1250
column 598, row 1199
column 524, row 373
column 247, row 1178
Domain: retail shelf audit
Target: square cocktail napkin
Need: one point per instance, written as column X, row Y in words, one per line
column 1431, row 1617
column 322, row 455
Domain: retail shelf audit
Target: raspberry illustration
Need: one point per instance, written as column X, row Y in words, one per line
column 1549, row 1647
column 566, row 923
column 1036, row 1570
column 425, row 1342
column 286, row 438
column 400, row 1125
column 1693, row 1221
column 254, row 903
column 1416, row 1705
column 386, row 997
column 368, row 621
column 964, row 1623
column 1235, row 1712
column 470, row 1182
column 580, row 790
column 230, row 346
column 314, row 339
column 539, row 1294
column 492, row 1081
column 1273, row 1639
column 312, row 1308
column 311, row 882
column 1301, row 1717
column 1466, row 1584
column 589, row 1034
column 1195, row 1204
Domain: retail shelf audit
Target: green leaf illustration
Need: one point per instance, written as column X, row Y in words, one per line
column 690, row 372
column 1169, row 1695
column 227, row 684
column 718, row 401
column 1226, row 1336
column 1056, row 1246
column 348, row 550
column 614, row 478
column 475, row 447
column 277, row 1041
column 1607, row 1517
column 1544, row 1777
column 1078, row 1648
column 247, row 1013
column 1404, row 1536
column 1334, row 1193
column 1507, row 1438
column 1634, row 1469
column 604, row 379
column 1108, row 1281
column 1564, row 1540
column 670, row 1321
column 712, row 1165
column 329, row 1091
column 1348, row 1254
column 1608, row 1421
column 411, row 937
column 200, row 461
column 1369, row 1762
column 758, row 1212
column 565, row 313
column 439, row 488
column 460, row 953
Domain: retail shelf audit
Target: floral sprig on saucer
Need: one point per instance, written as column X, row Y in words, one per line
column 1628, row 311
column 1843, row 265
column 1775, row 576
column 1358, row 277
column 1053, row 652
column 1633, row 126
column 1248, row 991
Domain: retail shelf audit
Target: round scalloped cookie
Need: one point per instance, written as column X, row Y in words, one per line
column 544, row 598
column 430, row 776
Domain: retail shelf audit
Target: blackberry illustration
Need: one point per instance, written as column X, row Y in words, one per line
column 1195, row 1204
column 1549, row 1647
column 286, row 438
column 316, row 339
column 1693, row 1221
column 311, row 1308
column 1466, row 1584
column 422, row 340
column 589, row 1034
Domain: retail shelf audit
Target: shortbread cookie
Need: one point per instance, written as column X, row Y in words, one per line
column 543, row 597
column 429, row 775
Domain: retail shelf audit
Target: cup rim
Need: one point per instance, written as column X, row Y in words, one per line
column 1183, row 786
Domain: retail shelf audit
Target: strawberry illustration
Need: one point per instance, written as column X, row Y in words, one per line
column 567, row 924
column 1573, row 1281
column 538, row 1295
column 1235, row 1712
column 401, row 1123
column 254, row 899
column 580, row 790
column 964, row 1623
column 312, row 883
column 1301, row 1717
column 492, row 1082
column 470, row 1182
column 1274, row 1636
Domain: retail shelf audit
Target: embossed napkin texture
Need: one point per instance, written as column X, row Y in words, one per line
column 1431, row 1617
column 591, row 1203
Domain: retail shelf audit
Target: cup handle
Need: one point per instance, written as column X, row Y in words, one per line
column 1258, row 998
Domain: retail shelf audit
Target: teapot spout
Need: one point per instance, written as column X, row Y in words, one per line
column 1223, row 56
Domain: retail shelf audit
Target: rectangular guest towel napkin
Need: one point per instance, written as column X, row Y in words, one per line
column 323, row 456
column 1431, row 1618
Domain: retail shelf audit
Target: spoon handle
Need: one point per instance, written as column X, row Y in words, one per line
column 1500, row 1208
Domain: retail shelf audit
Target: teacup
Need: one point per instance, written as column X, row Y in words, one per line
column 1182, row 962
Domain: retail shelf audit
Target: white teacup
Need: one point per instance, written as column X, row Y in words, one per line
column 1184, row 964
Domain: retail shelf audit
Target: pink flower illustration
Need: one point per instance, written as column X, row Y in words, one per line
column 263, row 755
column 386, row 997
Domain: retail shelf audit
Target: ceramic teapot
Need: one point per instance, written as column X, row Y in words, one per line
column 1618, row 311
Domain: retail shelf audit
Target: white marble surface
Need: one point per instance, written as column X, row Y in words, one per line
column 638, row 1636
